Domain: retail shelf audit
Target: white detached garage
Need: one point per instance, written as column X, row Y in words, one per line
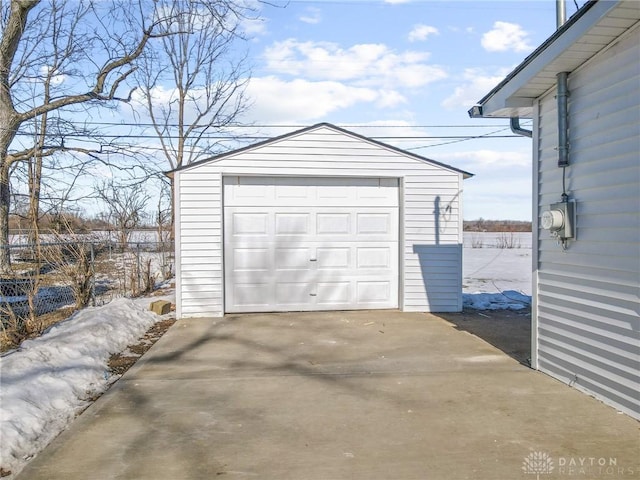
column 318, row 219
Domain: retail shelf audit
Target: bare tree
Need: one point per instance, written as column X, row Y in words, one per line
column 126, row 206
column 61, row 57
column 193, row 82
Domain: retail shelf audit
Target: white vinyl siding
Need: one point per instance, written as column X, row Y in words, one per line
column 199, row 279
column 588, row 297
column 425, row 188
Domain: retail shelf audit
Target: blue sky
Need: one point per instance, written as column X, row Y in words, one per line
column 404, row 72
column 404, row 68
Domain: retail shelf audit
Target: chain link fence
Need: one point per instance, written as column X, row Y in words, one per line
column 49, row 281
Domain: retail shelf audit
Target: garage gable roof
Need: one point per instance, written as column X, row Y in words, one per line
column 591, row 29
column 317, row 127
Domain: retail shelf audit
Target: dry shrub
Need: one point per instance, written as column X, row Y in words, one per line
column 142, row 279
column 13, row 331
column 507, row 240
column 18, row 314
column 476, row 242
column 73, row 263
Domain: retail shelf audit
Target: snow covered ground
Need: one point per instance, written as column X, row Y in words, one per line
column 494, row 277
column 48, row 380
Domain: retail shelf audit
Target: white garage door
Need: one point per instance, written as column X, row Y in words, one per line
column 310, row 243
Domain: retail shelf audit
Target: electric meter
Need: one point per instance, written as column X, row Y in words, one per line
column 552, row 219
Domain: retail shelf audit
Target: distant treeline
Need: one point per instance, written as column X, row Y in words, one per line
column 80, row 224
column 482, row 225
column 66, row 222
column 61, row 222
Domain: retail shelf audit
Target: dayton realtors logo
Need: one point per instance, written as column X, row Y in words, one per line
column 537, row 463
column 541, row 463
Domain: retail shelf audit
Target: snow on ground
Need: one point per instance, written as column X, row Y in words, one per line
column 507, row 300
column 49, row 379
column 493, row 277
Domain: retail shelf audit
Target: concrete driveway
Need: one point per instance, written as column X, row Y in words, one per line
column 339, row 395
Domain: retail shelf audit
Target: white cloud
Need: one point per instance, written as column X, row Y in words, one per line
column 422, row 32
column 476, row 84
column 477, row 160
column 391, row 130
column 389, row 127
column 159, row 94
column 389, row 98
column 506, row 36
column 254, row 27
column 277, row 100
column 313, row 16
column 372, row 65
column 164, row 100
column 501, row 187
column 54, row 78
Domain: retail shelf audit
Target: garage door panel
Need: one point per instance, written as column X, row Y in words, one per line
column 306, row 246
column 292, row 293
column 335, row 195
column 334, row 294
column 252, row 295
column 293, row 258
column 383, row 194
column 249, row 223
column 307, row 191
column 373, row 292
column 292, row 194
column 251, row 259
column 333, row 258
column 374, row 223
column 374, row 257
column 246, row 195
column 292, row 224
column 333, row 223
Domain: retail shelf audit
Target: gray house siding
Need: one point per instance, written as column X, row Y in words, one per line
column 588, row 297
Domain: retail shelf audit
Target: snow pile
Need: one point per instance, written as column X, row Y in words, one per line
column 507, row 300
column 48, row 380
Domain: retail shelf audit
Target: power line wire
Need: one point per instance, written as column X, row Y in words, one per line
column 275, row 125
column 262, row 137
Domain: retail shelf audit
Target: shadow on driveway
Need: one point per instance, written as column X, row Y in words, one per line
column 507, row 330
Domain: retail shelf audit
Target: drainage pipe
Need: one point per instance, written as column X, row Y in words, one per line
column 517, row 129
column 563, row 119
column 561, row 13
